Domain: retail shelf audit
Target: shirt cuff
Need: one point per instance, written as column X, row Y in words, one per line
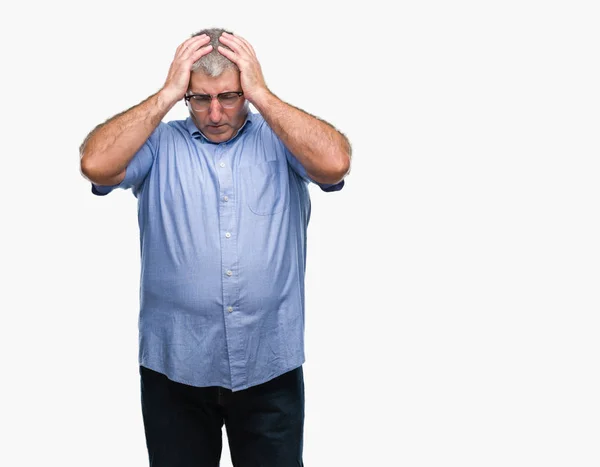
column 335, row 187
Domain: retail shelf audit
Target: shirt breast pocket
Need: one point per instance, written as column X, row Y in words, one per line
column 267, row 186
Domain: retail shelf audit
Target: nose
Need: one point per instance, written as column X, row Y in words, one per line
column 215, row 110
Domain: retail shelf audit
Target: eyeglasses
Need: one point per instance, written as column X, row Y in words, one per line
column 201, row 102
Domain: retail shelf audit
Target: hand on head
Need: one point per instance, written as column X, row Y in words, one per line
column 178, row 78
column 238, row 50
column 243, row 55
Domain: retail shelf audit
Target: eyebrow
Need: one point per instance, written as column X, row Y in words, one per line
column 206, row 94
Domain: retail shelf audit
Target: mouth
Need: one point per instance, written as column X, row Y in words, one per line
column 215, row 127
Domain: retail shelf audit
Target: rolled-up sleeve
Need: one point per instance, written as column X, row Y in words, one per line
column 300, row 170
column 138, row 168
column 276, row 144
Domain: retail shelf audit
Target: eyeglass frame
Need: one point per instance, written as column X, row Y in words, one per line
column 212, row 96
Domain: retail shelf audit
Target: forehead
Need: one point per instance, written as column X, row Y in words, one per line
column 200, row 83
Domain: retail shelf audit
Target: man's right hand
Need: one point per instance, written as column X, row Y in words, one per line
column 178, row 79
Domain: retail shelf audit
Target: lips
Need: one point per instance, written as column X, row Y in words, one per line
column 214, row 128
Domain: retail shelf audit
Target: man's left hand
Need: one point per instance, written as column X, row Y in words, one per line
column 243, row 55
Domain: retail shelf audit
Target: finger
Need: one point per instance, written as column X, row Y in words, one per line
column 192, row 51
column 248, row 46
column 228, row 54
column 186, row 42
column 234, row 43
column 201, row 52
column 196, row 40
column 192, row 43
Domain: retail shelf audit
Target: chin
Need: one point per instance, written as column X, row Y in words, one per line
column 219, row 138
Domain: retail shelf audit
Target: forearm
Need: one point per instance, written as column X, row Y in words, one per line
column 322, row 150
column 108, row 149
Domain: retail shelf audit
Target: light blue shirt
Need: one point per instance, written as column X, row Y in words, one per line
column 223, row 254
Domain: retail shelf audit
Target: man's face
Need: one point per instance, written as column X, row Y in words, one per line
column 218, row 123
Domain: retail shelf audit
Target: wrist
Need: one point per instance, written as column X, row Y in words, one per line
column 261, row 98
column 166, row 99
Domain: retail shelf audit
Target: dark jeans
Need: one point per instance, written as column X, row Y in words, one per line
column 264, row 423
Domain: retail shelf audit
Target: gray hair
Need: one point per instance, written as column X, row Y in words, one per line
column 213, row 64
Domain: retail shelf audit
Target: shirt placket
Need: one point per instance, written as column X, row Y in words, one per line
column 229, row 261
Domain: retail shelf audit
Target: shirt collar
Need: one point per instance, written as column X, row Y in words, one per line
column 197, row 134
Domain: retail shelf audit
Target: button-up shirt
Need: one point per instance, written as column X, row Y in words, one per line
column 223, row 254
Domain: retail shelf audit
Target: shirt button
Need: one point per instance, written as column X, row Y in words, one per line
column 228, row 235
column 222, row 164
column 229, row 273
column 229, row 309
column 225, row 198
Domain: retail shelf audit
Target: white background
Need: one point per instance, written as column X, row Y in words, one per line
column 452, row 286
